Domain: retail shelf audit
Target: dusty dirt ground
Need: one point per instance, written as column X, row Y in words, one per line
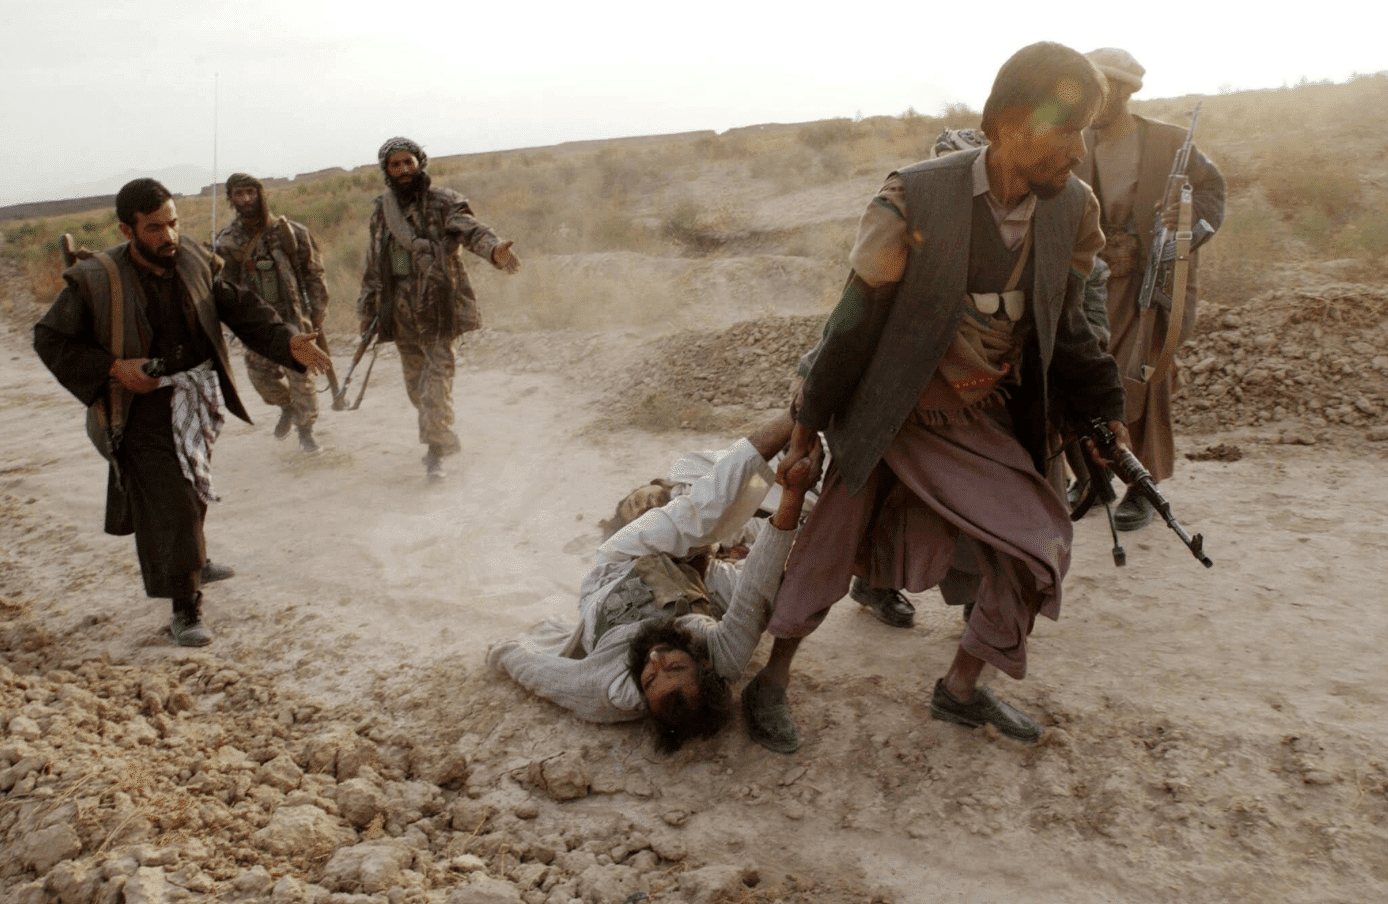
column 1213, row 735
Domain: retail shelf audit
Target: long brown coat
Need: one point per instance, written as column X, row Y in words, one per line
column 1137, row 335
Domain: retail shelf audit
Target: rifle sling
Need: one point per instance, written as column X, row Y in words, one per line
column 115, row 399
column 397, row 224
column 1179, row 278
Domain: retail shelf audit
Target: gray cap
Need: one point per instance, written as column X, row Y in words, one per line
column 1118, row 65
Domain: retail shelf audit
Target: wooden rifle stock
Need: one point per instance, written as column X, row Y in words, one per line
column 368, row 341
column 332, row 371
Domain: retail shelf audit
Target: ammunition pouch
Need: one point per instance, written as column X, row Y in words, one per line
column 400, row 261
column 267, row 283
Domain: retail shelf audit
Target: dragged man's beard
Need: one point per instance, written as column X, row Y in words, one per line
column 250, row 211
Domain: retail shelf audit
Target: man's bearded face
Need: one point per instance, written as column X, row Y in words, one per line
column 1051, row 157
column 155, row 235
column 246, row 200
column 1046, row 155
column 402, row 168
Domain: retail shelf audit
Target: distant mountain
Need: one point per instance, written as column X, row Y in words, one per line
column 181, row 180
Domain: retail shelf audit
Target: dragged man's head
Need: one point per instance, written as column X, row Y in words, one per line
column 686, row 697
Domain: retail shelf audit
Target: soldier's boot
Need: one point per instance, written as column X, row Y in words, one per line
column 186, row 624
column 306, row 440
column 212, row 571
column 1134, row 512
column 433, row 463
column 285, row 422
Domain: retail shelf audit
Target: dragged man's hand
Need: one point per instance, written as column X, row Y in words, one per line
column 802, row 476
column 802, row 441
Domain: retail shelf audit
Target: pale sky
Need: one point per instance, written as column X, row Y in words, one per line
column 91, row 90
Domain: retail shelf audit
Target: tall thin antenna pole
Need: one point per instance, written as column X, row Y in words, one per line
column 215, row 79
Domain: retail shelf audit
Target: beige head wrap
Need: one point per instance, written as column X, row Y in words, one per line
column 1118, row 65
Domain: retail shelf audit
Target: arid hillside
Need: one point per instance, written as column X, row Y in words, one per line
column 1307, row 169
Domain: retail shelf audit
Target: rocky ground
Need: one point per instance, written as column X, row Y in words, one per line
column 1211, row 735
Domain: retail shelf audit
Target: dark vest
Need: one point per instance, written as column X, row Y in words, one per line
column 194, row 271
column 991, row 261
column 930, row 299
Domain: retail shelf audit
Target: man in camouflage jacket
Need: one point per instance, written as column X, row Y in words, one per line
column 276, row 258
column 415, row 290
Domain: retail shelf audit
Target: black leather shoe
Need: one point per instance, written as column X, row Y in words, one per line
column 984, row 709
column 768, row 717
column 213, row 572
column 285, row 422
column 890, row 607
column 1134, row 512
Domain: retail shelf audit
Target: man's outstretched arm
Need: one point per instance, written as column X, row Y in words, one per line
column 733, row 641
column 716, row 505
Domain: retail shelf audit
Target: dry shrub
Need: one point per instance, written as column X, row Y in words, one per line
column 820, row 135
column 701, row 228
column 959, row 116
column 1311, row 182
column 1316, row 195
column 34, row 248
column 584, row 292
column 1360, row 306
column 1240, row 260
column 45, row 279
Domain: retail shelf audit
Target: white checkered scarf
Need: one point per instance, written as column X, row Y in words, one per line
column 197, row 420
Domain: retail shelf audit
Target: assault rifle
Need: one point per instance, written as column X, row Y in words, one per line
column 322, row 341
column 1163, row 240
column 1132, row 473
column 368, row 341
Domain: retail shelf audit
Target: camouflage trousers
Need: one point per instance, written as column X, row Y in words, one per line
column 284, row 388
column 428, row 366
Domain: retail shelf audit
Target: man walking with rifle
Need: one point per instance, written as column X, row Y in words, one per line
column 276, row 258
column 136, row 335
column 415, row 291
column 1131, row 166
